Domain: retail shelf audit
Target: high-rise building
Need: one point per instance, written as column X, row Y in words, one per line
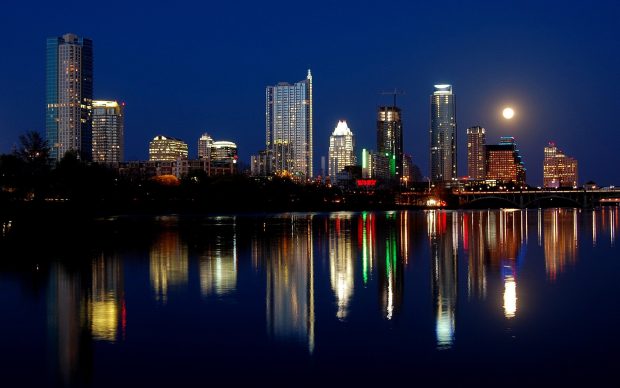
column 443, row 135
column 69, row 96
column 204, row 146
column 341, row 150
column 559, row 170
column 390, row 139
column 504, row 163
column 289, row 127
column 165, row 148
column 376, row 165
column 108, row 131
column 476, row 163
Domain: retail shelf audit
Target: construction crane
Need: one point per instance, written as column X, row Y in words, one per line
column 395, row 92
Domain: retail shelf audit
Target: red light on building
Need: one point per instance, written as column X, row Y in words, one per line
column 366, row 182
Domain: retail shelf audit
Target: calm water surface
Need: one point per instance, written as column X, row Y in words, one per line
column 467, row 298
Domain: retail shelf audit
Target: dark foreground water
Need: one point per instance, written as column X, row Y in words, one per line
column 434, row 298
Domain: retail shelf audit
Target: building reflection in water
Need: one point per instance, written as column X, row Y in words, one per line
column 474, row 246
column 495, row 244
column 612, row 225
column 68, row 327
column 390, row 270
column 106, row 301
column 218, row 263
column 366, row 237
column 84, row 306
column 6, row 228
column 286, row 252
column 560, row 240
column 341, row 264
column 444, row 272
column 168, row 263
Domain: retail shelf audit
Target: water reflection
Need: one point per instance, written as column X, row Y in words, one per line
column 390, row 269
column 84, row 306
column 443, row 262
column 341, row 263
column 366, row 232
column 288, row 259
column 67, row 324
column 6, row 227
column 218, row 262
column 560, row 240
column 284, row 267
column 106, row 302
column 168, row 263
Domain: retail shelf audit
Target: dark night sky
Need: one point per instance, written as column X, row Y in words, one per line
column 185, row 68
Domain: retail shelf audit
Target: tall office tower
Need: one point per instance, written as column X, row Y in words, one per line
column 289, row 127
column 108, row 131
column 476, row 163
column 69, row 96
column 390, row 139
column 167, row 149
column 341, row 150
column 559, row 170
column 204, row 146
column 504, row 163
column 443, row 135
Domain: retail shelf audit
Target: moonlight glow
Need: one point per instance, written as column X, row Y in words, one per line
column 508, row 113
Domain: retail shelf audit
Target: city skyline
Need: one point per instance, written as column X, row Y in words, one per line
column 551, row 94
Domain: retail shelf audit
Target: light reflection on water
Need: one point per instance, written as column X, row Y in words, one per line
column 312, row 269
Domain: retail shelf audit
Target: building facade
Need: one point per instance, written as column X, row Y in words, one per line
column 390, row 139
column 443, row 135
column 476, row 154
column 205, row 142
column 341, row 150
column 559, row 170
column 165, row 148
column 69, row 96
column 377, row 165
column 504, row 163
column 289, row 127
column 108, row 131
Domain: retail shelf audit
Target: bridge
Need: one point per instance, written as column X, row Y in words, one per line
column 535, row 198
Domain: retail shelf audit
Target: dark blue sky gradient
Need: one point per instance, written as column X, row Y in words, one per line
column 185, row 68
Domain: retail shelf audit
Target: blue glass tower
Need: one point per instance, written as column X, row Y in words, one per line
column 69, row 96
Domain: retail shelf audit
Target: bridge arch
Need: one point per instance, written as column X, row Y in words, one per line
column 481, row 200
column 560, row 200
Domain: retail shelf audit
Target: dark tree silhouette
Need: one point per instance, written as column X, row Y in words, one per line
column 33, row 148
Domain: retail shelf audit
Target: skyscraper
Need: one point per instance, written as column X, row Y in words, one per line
column 443, row 135
column 108, row 132
column 559, row 170
column 69, row 95
column 289, row 127
column 476, row 143
column 204, row 146
column 390, row 138
column 504, row 163
column 341, row 150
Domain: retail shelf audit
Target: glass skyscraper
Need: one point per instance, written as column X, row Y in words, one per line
column 289, row 127
column 390, row 139
column 443, row 135
column 108, row 132
column 69, row 96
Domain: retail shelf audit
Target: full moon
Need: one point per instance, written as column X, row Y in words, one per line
column 508, row 113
